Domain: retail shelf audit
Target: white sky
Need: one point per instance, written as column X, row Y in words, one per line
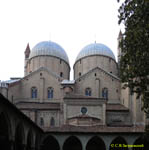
column 72, row 24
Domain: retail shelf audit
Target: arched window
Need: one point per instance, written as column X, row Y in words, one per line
column 34, row 92
column 41, row 122
column 88, row 92
column 50, row 93
column 52, row 122
column 105, row 93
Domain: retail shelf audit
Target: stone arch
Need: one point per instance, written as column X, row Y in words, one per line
column 72, row 143
column 119, row 143
column 29, row 140
column 50, row 142
column 141, row 140
column 95, row 143
column 19, row 137
column 5, row 131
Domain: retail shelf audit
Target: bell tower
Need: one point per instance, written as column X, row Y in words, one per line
column 120, row 36
column 26, row 53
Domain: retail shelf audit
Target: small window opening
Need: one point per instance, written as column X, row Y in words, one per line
column 52, row 122
column 105, row 93
column 33, row 92
column 41, row 122
column 88, row 92
column 61, row 74
column 50, row 93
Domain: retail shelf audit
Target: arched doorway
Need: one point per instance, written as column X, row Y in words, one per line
column 29, row 140
column 142, row 140
column 50, row 143
column 118, row 143
column 4, row 132
column 19, row 137
column 72, row 143
column 95, row 143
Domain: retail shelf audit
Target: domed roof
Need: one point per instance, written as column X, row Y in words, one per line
column 95, row 49
column 49, row 48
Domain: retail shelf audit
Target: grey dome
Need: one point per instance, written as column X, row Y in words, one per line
column 49, row 48
column 95, row 49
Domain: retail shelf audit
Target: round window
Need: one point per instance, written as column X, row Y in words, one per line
column 83, row 110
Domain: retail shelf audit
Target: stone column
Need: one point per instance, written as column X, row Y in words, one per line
column 61, row 140
column 40, row 147
column 83, row 147
column 65, row 112
column 23, row 147
column 61, row 146
column 104, row 113
column 107, row 140
column 130, row 141
column 12, row 145
column 32, row 148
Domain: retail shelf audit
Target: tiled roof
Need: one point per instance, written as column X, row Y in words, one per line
column 68, row 82
column 77, row 96
column 95, row 129
column 36, row 105
column 116, row 107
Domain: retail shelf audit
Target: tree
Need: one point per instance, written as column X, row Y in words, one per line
column 134, row 63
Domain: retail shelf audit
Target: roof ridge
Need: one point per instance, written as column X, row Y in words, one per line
column 40, row 69
column 90, row 71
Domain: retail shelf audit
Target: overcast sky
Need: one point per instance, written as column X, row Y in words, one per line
column 72, row 24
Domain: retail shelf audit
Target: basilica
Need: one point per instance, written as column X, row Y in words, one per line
column 89, row 111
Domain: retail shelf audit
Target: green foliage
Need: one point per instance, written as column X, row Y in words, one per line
column 134, row 63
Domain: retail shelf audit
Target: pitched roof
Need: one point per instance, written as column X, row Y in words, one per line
column 37, row 105
column 95, row 129
column 43, row 69
column 98, row 68
column 116, row 107
column 84, row 116
column 70, row 82
column 79, row 96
